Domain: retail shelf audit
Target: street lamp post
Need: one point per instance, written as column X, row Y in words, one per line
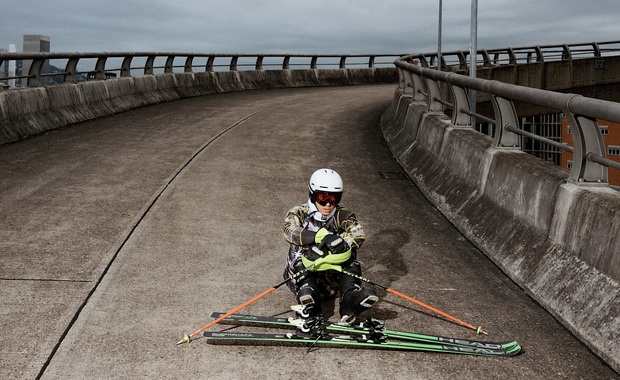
column 473, row 54
column 439, row 37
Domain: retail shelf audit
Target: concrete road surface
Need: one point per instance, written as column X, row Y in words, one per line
column 119, row 235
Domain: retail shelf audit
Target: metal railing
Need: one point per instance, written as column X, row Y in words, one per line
column 418, row 80
column 590, row 163
column 72, row 67
column 75, row 67
column 520, row 55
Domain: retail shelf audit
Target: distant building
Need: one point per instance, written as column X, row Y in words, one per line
column 4, row 69
column 548, row 126
column 35, row 43
column 12, row 68
column 611, row 138
column 7, row 68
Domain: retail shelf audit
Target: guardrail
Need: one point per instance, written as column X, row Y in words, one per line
column 75, row 67
column 72, row 67
column 519, row 55
column 590, row 164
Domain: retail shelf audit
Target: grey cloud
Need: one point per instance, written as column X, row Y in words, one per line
column 311, row 26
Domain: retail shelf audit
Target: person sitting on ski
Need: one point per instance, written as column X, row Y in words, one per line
column 322, row 234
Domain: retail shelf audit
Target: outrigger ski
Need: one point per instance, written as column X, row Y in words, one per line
column 369, row 332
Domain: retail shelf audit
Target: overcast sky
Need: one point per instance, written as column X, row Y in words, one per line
column 304, row 27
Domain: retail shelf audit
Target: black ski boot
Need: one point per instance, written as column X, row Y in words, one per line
column 353, row 298
column 356, row 301
column 308, row 297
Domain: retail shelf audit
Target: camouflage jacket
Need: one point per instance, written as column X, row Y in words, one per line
column 303, row 221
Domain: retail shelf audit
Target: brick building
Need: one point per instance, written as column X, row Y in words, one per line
column 611, row 138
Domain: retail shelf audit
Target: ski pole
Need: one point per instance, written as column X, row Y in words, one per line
column 478, row 330
column 188, row 338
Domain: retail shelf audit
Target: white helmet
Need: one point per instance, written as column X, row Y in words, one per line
column 325, row 180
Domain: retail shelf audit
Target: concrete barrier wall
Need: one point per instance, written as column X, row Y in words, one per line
column 31, row 111
column 558, row 240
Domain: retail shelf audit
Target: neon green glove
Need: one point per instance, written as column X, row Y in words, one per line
column 320, row 235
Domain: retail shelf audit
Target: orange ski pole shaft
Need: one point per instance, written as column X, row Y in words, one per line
column 478, row 330
column 188, row 338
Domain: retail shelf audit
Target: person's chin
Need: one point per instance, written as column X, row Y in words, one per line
column 326, row 211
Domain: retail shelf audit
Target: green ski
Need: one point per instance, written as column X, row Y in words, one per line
column 371, row 328
column 346, row 341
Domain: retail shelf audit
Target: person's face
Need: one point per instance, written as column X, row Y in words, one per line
column 326, row 202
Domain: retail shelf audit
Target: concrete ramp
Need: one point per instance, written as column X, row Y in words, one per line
column 121, row 234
